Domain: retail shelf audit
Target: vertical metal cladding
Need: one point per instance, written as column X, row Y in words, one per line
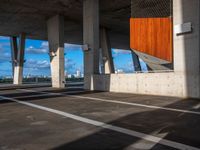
column 151, row 28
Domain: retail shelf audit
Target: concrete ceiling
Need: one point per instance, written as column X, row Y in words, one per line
column 30, row 16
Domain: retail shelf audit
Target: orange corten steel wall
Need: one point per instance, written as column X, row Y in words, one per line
column 152, row 36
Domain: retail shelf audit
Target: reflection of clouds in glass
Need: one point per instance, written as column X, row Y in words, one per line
column 121, row 51
column 143, row 65
column 123, row 61
column 118, row 52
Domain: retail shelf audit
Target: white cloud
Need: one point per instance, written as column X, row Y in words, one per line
column 69, row 64
column 1, row 47
column 36, row 64
column 69, row 47
column 5, row 57
column 33, row 50
column 43, row 49
column 45, row 45
column 4, row 38
column 117, row 52
column 127, row 68
column 4, row 45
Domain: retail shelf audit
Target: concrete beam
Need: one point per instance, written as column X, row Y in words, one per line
column 108, row 65
column 91, row 37
column 19, row 63
column 55, row 27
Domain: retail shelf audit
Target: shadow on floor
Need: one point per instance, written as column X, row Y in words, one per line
column 25, row 86
column 174, row 126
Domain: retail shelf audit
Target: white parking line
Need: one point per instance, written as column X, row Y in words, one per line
column 139, row 105
column 108, row 126
column 197, row 106
column 120, row 102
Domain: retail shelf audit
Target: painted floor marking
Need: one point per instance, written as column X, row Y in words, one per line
column 139, row 105
column 197, row 106
column 108, row 126
column 120, row 102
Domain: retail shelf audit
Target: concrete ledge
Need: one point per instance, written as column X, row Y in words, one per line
column 164, row 84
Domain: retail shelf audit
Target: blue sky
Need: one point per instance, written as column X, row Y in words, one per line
column 37, row 58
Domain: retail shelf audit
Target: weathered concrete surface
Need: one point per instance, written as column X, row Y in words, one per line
column 184, row 81
column 186, row 47
column 108, row 65
column 23, row 127
column 166, row 84
column 91, row 39
column 56, row 50
column 30, row 17
column 19, row 65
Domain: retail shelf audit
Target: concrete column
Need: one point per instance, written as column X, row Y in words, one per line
column 91, row 37
column 187, row 47
column 108, row 65
column 136, row 62
column 55, row 27
column 14, row 50
column 18, row 69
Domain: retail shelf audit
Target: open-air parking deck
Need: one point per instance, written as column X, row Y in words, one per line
column 41, row 117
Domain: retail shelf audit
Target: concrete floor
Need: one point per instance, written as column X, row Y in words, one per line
column 69, row 120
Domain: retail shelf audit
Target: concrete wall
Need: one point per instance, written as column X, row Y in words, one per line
column 166, row 84
column 184, row 81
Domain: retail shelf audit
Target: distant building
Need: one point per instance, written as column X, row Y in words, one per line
column 69, row 76
column 78, row 74
column 119, row 71
column 66, row 74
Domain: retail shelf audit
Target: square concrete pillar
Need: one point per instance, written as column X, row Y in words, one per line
column 91, row 38
column 187, row 45
column 108, row 65
column 18, row 58
column 56, row 50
